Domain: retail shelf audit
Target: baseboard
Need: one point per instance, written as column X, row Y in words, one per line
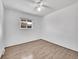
column 2, row 52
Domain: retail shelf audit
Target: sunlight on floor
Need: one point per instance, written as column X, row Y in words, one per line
column 28, row 57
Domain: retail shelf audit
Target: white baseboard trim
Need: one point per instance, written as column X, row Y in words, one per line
column 2, row 52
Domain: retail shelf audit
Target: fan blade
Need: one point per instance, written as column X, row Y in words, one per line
column 37, row 1
column 31, row 1
column 46, row 6
column 41, row 0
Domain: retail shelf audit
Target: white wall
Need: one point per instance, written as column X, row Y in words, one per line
column 1, row 18
column 60, row 27
column 1, row 28
column 13, row 34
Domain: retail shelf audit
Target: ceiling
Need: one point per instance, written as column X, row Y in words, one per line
column 26, row 6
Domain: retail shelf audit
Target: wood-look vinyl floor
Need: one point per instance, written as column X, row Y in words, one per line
column 39, row 49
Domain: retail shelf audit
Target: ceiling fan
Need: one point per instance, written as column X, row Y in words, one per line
column 39, row 4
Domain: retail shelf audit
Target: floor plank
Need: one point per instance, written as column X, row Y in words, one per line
column 39, row 49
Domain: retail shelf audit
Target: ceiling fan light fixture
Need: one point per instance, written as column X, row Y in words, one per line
column 39, row 9
column 39, row 6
